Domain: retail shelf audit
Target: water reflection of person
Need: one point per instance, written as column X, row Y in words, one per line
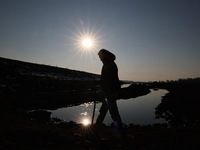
column 111, row 88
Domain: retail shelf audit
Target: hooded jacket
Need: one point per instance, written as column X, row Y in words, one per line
column 109, row 74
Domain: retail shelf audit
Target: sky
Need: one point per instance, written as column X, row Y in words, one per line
column 153, row 40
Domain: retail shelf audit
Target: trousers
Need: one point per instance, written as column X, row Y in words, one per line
column 111, row 105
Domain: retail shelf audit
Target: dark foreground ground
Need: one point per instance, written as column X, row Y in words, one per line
column 22, row 130
column 17, row 131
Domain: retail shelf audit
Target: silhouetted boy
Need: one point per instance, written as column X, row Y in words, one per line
column 111, row 88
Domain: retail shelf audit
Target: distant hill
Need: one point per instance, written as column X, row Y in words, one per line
column 35, row 86
column 19, row 76
column 26, row 68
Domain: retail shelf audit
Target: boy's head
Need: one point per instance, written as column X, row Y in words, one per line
column 106, row 56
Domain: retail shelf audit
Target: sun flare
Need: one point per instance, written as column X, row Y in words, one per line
column 87, row 42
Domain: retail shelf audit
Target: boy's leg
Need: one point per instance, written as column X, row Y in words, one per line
column 113, row 109
column 103, row 110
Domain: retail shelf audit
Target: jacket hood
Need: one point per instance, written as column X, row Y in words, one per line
column 106, row 55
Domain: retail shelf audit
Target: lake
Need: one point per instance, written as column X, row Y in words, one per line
column 139, row 110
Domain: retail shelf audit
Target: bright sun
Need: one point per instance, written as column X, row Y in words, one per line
column 87, row 42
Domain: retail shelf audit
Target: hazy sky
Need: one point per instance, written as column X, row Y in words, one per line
column 152, row 39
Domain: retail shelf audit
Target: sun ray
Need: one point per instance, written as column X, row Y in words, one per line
column 86, row 40
column 87, row 55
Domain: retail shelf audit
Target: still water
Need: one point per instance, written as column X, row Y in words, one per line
column 139, row 110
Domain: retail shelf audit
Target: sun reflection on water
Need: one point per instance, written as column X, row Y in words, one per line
column 85, row 122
